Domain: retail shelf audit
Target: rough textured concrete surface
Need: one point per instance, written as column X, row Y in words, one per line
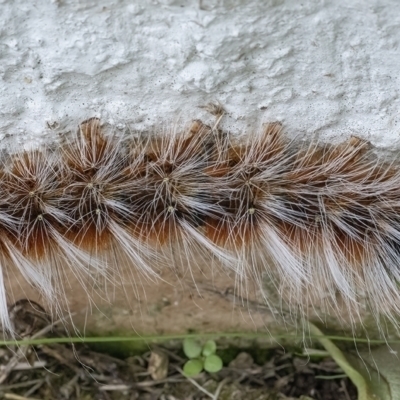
column 326, row 68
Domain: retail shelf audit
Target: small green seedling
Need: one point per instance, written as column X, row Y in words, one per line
column 200, row 357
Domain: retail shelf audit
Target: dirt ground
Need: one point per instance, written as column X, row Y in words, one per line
column 67, row 371
column 173, row 305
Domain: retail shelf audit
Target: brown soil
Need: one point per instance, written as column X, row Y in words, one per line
column 64, row 371
column 169, row 305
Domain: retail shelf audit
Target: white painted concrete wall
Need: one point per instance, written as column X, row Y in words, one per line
column 329, row 67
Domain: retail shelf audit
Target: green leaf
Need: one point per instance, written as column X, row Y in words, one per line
column 213, row 363
column 191, row 348
column 380, row 366
column 364, row 389
column 193, row 367
column 209, row 348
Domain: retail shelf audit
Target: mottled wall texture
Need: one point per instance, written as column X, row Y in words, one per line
column 327, row 68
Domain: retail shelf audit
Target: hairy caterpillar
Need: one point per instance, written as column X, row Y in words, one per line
column 320, row 222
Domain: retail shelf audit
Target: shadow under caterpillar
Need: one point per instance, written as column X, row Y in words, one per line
column 321, row 223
